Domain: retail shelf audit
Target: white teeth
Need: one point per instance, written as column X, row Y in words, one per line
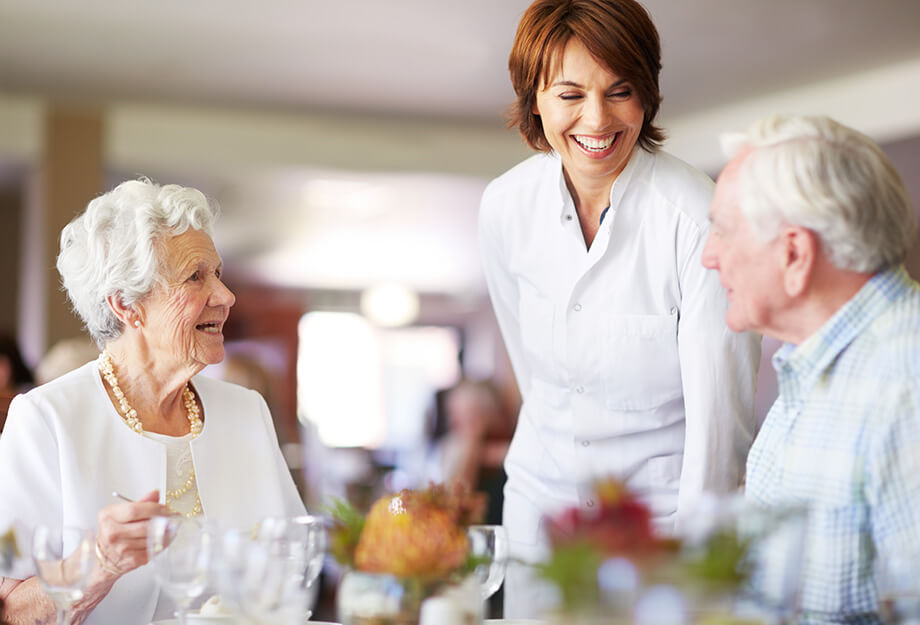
column 210, row 328
column 593, row 143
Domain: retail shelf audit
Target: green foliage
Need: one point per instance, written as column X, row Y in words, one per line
column 572, row 568
column 471, row 562
column 721, row 563
column 347, row 524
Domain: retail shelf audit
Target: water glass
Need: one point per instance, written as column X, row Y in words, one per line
column 181, row 552
column 64, row 559
column 301, row 539
column 489, row 544
column 262, row 585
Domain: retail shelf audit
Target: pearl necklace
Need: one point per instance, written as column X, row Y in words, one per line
column 129, row 415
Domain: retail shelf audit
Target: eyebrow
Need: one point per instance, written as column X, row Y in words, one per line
column 572, row 83
column 194, row 266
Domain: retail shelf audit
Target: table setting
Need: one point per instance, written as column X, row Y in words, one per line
column 422, row 557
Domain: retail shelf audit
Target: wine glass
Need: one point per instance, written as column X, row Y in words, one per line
column 489, row 545
column 261, row 584
column 756, row 554
column 64, row 560
column 180, row 551
column 301, row 539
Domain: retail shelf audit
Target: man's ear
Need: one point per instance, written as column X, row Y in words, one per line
column 799, row 248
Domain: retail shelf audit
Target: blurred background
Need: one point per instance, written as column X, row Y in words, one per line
column 347, row 144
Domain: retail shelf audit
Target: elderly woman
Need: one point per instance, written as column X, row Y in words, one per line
column 142, row 272
column 591, row 251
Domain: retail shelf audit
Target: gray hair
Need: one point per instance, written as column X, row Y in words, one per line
column 115, row 247
column 819, row 174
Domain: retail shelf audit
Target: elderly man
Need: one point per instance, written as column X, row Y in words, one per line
column 810, row 225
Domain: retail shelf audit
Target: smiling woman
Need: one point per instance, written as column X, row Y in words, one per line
column 591, row 251
column 142, row 272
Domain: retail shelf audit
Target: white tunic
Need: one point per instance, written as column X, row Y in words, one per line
column 625, row 365
column 65, row 449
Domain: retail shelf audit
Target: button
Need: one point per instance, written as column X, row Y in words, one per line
column 590, row 503
column 673, row 310
column 585, row 443
column 577, row 307
column 579, row 389
column 568, row 218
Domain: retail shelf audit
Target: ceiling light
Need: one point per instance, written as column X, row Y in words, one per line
column 390, row 305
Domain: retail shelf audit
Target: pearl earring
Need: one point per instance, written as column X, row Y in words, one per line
column 137, row 323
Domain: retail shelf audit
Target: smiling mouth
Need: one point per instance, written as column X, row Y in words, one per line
column 212, row 327
column 596, row 144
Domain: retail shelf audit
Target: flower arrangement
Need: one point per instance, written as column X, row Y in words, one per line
column 410, row 546
column 619, row 530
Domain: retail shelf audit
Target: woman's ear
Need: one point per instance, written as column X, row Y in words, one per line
column 128, row 315
column 800, row 247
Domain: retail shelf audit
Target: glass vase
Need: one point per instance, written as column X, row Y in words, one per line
column 380, row 599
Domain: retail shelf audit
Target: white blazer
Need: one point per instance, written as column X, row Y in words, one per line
column 65, row 449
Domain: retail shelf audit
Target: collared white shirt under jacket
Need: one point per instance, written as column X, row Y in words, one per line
column 624, row 362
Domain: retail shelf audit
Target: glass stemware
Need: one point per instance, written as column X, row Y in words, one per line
column 765, row 548
column 180, row 551
column 301, row 539
column 266, row 581
column 64, row 559
column 489, row 544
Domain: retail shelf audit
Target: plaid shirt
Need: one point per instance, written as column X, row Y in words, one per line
column 844, row 437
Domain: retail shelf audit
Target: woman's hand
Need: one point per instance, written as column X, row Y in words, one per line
column 121, row 546
column 121, row 540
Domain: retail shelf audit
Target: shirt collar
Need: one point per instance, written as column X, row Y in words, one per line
column 637, row 161
column 808, row 359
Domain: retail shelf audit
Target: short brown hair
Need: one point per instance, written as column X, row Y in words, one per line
column 618, row 33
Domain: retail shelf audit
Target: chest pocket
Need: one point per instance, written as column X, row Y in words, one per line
column 642, row 363
column 536, row 317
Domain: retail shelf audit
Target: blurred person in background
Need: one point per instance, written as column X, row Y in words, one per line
column 473, row 449
column 15, row 376
column 810, row 226
column 141, row 270
column 66, row 355
column 591, row 250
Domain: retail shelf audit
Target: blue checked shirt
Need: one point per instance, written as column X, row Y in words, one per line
column 844, row 438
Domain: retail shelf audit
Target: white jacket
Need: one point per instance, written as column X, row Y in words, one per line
column 65, row 449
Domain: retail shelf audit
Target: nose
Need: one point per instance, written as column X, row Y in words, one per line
column 710, row 257
column 595, row 111
column 221, row 295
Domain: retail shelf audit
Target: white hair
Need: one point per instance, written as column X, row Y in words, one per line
column 115, row 247
column 819, row 174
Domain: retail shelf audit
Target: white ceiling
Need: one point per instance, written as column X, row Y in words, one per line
column 403, row 82
column 436, row 58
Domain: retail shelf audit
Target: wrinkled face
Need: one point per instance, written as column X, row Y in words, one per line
column 183, row 322
column 749, row 269
column 590, row 116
